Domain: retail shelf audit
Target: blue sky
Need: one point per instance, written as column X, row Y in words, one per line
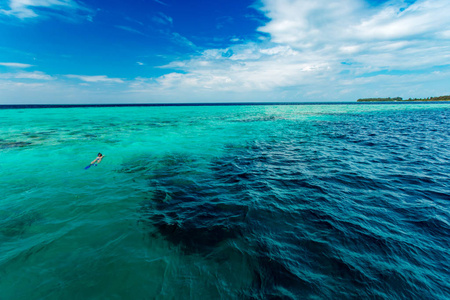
column 167, row 51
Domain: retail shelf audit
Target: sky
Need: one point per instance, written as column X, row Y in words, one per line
column 172, row 51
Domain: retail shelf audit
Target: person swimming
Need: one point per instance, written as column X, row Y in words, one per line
column 98, row 159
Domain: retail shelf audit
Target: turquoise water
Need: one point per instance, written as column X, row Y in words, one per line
column 231, row 202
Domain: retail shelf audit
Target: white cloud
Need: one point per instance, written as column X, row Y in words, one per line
column 181, row 40
column 251, row 70
column 323, row 50
column 55, row 91
column 342, row 29
column 15, row 65
column 419, row 19
column 162, row 19
column 129, row 29
column 283, row 50
column 36, row 75
column 322, row 45
column 161, row 2
column 25, row 9
column 98, row 78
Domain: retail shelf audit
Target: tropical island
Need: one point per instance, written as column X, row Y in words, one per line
column 399, row 99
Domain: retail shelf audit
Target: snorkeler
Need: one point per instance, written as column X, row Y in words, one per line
column 98, row 159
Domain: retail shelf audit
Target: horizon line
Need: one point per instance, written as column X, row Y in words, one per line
column 12, row 106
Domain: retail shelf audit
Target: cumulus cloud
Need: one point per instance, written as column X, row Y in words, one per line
column 98, row 78
column 309, row 50
column 249, row 69
column 350, row 29
column 316, row 47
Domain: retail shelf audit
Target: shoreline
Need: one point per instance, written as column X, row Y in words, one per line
column 400, row 99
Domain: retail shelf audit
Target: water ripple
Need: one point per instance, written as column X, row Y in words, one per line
column 235, row 203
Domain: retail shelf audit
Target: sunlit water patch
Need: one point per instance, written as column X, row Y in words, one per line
column 233, row 202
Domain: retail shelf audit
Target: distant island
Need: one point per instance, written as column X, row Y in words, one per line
column 398, row 99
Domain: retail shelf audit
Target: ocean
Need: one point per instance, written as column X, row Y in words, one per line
column 332, row 201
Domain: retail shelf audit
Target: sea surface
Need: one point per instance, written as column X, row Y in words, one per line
column 226, row 202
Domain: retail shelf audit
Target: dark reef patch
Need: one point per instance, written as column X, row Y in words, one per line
column 8, row 145
column 16, row 223
column 312, row 221
column 184, row 207
column 200, row 228
column 270, row 118
column 199, row 211
column 41, row 135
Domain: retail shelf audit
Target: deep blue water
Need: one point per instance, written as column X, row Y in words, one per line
column 326, row 202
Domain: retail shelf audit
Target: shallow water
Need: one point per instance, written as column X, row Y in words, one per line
column 231, row 202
